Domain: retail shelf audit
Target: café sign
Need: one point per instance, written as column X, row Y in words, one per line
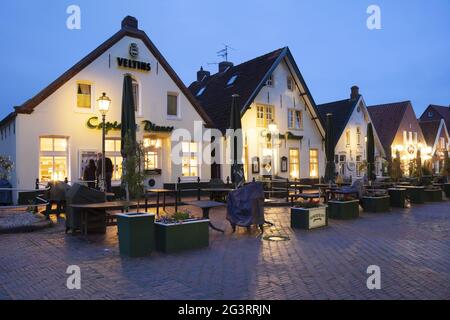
column 148, row 126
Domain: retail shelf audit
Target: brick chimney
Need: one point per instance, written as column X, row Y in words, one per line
column 201, row 74
column 354, row 93
column 224, row 65
column 130, row 22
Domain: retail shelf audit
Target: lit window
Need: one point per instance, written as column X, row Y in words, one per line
column 269, row 81
column 172, row 105
column 358, row 165
column 314, row 163
column 201, row 91
column 358, row 135
column 53, row 159
column 232, row 80
column 84, row 95
column 442, row 143
column 112, row 151
column 189, row 160
column 347, row 137
column 290, row 83
column 151, row 160
column 295, row 119
column 294, row 163
column 136, row 95
column 264, row 115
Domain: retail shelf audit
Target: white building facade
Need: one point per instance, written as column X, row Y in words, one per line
column 53, row 135
column 350, row 121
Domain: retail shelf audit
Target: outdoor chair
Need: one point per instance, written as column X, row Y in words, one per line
column 245, row 207
column 56, row 195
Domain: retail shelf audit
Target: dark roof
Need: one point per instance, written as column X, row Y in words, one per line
column 129, row 28
column 251, row 77
column 443, row 111
column 7, row 119
column 430, row 130
column 342, row 111
column 386, row 119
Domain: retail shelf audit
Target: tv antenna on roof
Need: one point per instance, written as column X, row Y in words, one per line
column 224, row 52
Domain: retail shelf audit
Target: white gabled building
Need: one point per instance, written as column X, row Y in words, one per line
column 272, row 96
column 350, row 120
column 52, row 135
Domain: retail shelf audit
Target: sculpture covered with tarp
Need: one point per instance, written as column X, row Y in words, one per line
column 245, row 206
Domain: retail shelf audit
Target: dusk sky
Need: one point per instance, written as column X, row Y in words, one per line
column 408, row 59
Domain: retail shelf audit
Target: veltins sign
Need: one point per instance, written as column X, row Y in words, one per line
column 133, row 64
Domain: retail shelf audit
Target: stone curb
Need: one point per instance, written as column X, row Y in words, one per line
column 27, row 228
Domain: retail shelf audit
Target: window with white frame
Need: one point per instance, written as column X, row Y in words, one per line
column 290, row 83
column 264, row 115
column 84, row 95
column 112, row 151
column 270, row 82
column 358, row 135
column 358, row 165
column 347, row 137
column 295, row 120
column 53, row 158
column 190, row 165
column 442, row 143
column 294, row 163
column 314, row 163
column 172, row 105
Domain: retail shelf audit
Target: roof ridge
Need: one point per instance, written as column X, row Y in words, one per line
column 389, row 103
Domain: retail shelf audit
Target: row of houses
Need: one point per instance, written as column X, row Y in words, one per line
column 55, row 133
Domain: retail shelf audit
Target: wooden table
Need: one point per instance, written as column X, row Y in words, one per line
column 111, row 205
column 206, row 205
column 217, row 192
column 158, row 192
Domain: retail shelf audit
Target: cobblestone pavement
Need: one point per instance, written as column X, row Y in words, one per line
column 411, row 246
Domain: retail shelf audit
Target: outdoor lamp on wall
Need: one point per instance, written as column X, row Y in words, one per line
column 103, row 104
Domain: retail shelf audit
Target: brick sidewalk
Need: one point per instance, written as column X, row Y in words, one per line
column 411, row 246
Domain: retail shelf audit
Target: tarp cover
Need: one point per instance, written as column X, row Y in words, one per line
column 79, row 194
column 245, row 206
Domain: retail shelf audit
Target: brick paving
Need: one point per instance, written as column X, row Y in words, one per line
column 411, row 246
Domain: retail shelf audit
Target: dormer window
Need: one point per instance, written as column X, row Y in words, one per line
column 430, row 114
column 201, row 91
column 269, row 81
column 232, row 80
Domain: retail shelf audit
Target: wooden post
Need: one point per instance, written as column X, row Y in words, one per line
column 287, row 189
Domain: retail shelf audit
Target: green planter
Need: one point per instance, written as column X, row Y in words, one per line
column 433, row 195
column 343, row 209
column 309, row 218
column 178, row 237
column 376, row 204
column 447, row 190
column 398, row 197
column 416, row 194
column 136, row 234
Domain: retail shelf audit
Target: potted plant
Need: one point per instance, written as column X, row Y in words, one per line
column 309, row 215
column 344, row 209
column 376, row 202
column 181, row 232
column 6, row 166
column 136, row 230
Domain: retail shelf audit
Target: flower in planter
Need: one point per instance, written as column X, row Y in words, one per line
column 308, row 205
column 177, row 217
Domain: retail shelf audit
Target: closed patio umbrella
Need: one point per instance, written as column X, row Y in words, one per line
column 237, row 169
column 330, row 168
column 370, row 153
column 128, row 123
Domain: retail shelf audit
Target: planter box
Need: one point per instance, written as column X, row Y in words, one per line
column 433, row 195
column 416, row 194
column 447, row 189
column 398, row 197
column 376, row 204
column 178, row 237
column 136, row 234
column 309, row 218
column 343, row 209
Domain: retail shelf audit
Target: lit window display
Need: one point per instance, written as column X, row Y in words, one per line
column 314, row 163
column 53, row 159
column 294, row 163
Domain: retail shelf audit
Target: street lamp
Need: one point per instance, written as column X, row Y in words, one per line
column 103, row 104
